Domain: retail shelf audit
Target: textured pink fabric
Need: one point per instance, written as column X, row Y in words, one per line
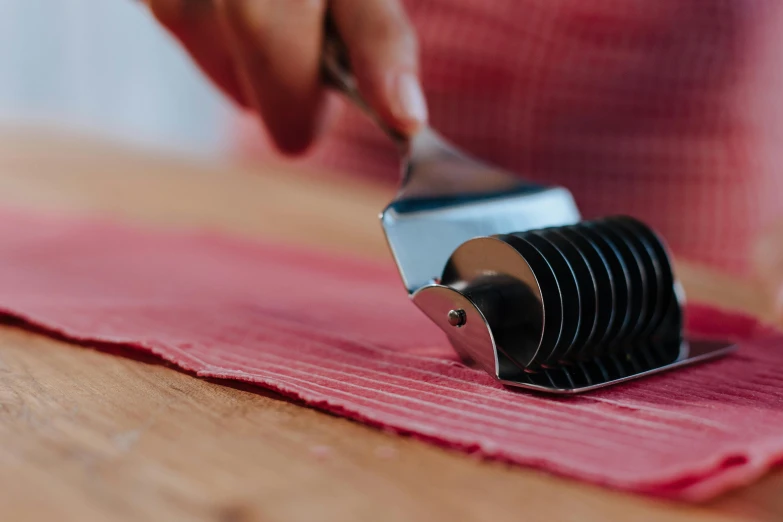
column 340, row 335
column 668, row 110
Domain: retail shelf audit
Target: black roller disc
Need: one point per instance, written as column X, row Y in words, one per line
column 605, row 316
column 550, row 293
column 637, row 276
column 666, row 281
column 622, row 287
column 658, row 288
column 569, row 291
column 585, row 280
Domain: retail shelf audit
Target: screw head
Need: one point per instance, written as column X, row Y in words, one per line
column 457, row 317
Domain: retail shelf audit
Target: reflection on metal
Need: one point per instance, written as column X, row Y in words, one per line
column 565, row 309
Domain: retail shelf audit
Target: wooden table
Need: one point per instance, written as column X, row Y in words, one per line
column 87, row 435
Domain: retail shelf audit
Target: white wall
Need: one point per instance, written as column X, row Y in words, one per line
column 104, row 66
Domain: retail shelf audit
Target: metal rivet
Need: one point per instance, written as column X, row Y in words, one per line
column 457, row 317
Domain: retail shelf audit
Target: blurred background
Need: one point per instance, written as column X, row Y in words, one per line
column 104, row 67
column 668, row 110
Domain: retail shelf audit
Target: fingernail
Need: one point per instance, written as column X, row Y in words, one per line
column 408, row 103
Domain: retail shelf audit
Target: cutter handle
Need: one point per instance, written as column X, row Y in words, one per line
column 338, row 75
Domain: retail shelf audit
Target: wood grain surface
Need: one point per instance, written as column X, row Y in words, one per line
column 92, row 435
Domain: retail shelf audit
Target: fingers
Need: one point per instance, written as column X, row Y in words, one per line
column 195, row 24
column 266, row 54
column 384, row 56
column 278, row 44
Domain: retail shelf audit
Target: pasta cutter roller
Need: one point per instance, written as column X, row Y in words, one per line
column 522, row 287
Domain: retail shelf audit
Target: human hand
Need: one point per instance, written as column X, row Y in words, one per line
column 265, row 55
